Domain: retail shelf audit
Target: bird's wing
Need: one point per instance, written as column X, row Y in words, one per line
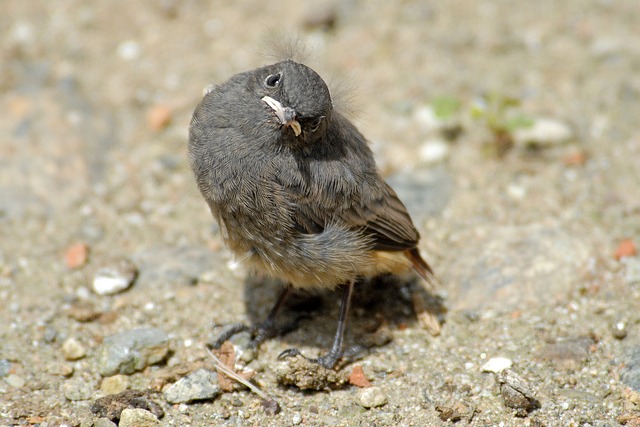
column 378, row 214
column 384, row 218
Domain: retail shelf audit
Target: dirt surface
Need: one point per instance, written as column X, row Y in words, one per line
column 96, row 99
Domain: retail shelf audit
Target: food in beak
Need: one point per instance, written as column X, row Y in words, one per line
column 286, row 115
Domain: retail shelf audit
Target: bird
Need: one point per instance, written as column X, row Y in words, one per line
column 295, row 190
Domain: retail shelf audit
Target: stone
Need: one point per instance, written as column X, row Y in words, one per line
column 159, row 117
column 434, row 151
column 626, row 248
column 199, row 385
column 73, row 350
column 115, row 384
column 497, row 364
column 104, row 422
column 372, row 397
column 358, row 378
column 516, row 392
column 76, row 255
column 115, row 278
column 136, row 417
column 77, row 389
column 131, row 351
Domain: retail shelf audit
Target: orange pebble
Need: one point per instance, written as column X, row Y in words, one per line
column 76, row 255
column 358, row 379
column 625, row 248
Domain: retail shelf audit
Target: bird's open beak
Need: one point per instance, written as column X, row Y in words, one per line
column 286, row 115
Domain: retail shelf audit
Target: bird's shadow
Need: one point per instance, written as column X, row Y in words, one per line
column 379, row 304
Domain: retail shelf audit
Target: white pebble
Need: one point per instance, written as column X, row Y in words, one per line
column 129, row 50
column 107, row 284
column 496, row 364
column 434, row 151
column 114, row 279
column 426, row 118
column 544, row 132
column 516, row 192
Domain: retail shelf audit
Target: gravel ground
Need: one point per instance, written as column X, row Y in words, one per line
column 509, row 128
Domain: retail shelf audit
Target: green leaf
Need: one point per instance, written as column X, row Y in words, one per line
column 445, row 107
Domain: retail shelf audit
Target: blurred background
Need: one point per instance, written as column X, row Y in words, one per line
column 510, row 129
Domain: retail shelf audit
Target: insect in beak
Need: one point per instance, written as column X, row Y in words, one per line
column 286, row 115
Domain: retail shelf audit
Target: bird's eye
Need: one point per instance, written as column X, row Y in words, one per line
column 273, row 80
column 314, row 124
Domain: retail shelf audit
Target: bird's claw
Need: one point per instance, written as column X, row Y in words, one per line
column 290, row 352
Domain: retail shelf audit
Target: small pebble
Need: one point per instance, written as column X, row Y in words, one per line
column 129, row 50
column 296, row 419
column 15, row 381
column 371, row 397
column 434, row 151
column 619, row 330
column 136, row 417
column 50, row 335
column 83, row 311
column 626, row 248
column 76, row 255
column 115, row 384
column 358, row 378
column 73, row 350
column 575, row 158
column 159, row 117
column 496, row 364
column 104, row 422
column 75, row 390
column 516, row 392
column 199, row 385
column 61, row 369
column 113, row 279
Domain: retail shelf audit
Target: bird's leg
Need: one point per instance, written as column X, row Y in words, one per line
column 265, row 330
column 329, row 360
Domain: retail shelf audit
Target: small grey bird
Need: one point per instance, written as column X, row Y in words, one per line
column 295, row 188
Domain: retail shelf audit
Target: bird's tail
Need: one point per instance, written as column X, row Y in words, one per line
column 421, row 267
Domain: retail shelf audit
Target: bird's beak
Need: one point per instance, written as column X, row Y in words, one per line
column 286, row 115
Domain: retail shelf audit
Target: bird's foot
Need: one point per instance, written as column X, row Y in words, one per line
column 267, row 329
column 329, row 360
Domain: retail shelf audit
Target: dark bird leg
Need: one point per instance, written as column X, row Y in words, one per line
column 266, row 329
column 329, row 360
